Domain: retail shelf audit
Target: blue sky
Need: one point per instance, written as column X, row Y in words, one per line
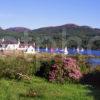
column 41, row 13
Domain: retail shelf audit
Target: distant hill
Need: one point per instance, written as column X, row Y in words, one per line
column 18, row 29
column 70, row 29
column 85, row 33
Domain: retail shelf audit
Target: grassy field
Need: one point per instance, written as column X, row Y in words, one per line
column 40, row 89
column 35, row 88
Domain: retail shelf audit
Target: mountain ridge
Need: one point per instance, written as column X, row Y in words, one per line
column 64, row 25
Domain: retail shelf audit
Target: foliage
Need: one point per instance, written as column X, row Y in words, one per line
column 44, row 69
column 64, row 69
column 84, row 67
column 44, row 35
column 92, row 77
column 82, row 63
column 12, row 67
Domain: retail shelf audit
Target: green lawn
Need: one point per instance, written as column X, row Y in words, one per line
column 19, row 90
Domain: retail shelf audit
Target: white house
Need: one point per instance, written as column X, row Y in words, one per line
column 30, row 50
column 9, row 44
column 13, row 46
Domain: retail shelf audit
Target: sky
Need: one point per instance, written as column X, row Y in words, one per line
column 34, row 14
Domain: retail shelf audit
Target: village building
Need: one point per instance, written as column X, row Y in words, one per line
column 16, row 45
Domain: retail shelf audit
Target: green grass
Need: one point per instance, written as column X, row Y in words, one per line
column 18, row 90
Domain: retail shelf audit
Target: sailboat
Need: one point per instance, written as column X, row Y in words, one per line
column 65, row 51
column 52, row 50
column 82, row 50
column 57, row 50
column 78, row 50
column 46, row 49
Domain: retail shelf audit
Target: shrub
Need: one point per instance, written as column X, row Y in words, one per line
column 44, row 68
column 10, row 67
column 92, row 78
column 64, row 69
column 83, row 64
column 84, row 67
column 97, row 68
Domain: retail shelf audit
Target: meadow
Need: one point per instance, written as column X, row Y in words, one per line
column 40, row 89
column 18, row 80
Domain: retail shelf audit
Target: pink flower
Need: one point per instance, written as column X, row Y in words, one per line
column 65, row 68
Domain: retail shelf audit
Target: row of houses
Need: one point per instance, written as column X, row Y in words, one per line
column 16, row 45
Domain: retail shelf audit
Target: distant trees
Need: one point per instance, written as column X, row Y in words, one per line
column 57, row 34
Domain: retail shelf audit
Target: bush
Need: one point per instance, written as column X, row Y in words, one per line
column 84, row 67
column 64, row 69
column 81, row 60
column 92, row 78
column 10, row 67
column 44, row 69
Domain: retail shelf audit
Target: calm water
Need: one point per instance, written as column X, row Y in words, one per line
column 92, row 61
column 73, row 51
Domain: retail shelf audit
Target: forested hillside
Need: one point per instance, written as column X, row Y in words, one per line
column 47, row 35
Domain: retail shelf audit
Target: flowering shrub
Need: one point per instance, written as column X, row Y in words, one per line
column 64, row 69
